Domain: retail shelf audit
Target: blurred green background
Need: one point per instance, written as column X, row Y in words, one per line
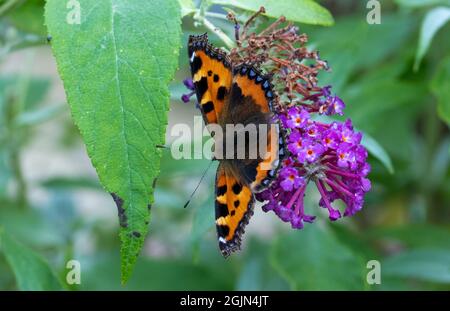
column 52, row 208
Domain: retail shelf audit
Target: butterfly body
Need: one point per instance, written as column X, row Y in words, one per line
column 238, row 95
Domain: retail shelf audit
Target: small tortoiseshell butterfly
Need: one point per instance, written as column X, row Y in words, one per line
column 239, row 95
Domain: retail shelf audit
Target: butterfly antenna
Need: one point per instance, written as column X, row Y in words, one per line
column 198, row 185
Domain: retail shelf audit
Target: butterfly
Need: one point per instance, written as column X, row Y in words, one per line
column 239, row 94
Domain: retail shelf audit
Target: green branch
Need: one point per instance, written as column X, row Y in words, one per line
column 9, row 5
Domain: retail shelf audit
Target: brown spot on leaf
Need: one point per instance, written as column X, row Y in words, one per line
column 120, row 210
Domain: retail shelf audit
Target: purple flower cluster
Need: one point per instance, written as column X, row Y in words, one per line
column 329, row 155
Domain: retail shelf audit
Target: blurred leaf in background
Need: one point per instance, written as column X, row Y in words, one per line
column 434, row 20
column 31, row 11
column 314, row 260
column 440, row 86
column 302, row 11
column 31, row 271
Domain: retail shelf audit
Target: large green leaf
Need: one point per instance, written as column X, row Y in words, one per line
column 441, row 88
column 30, row 270
column 116, row 65
column 434, row 20
column 302, row 11
column 313, row 259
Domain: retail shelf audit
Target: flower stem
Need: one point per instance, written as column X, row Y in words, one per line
column 341, row 173
column 338, row 187
column 299, row 206
column 323, row 194
column 294, row 197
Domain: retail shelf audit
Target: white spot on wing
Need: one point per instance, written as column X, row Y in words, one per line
column 192, row 57
column 222, row 240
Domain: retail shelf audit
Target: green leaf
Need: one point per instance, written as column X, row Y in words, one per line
column 35, row 89
column 302, row 11
column 313, row 259
column 29, row 17
column 413, row 235
column 354, row 239
column 440, row 86
column 38, row 116
column 187, row 7
column 425, row 264
column 30, row 270
column 5, row 170
column 32, row 226
column 256, row 272
column 378, row 152
column 421, row 3
column 434, row 20
column 116, row 65
column 438, row 170
column 203, row 220
column 368, row 101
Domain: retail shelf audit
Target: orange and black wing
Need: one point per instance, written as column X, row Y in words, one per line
column 251, row 101
column 234, row 207
column 211, row 74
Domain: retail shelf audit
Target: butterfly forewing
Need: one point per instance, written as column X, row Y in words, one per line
column 211, row 74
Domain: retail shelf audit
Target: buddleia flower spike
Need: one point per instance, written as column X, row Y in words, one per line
column 328, row 155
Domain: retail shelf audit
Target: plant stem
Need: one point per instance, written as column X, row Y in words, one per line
column 228, row 42
column 8, row 5
column 22, row 189
column 216, row 15
column 26, row 42
column 13, row 143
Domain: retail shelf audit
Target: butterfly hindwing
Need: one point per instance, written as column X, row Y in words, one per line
column 234, row 207
column 211, row 74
